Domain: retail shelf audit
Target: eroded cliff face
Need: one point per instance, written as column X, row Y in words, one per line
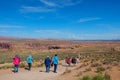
column 36, row 45
column 50, row 44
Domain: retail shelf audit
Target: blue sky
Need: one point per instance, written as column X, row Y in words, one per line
column 60, row 19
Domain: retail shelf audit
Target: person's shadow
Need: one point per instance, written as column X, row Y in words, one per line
column 13, row 70
column 26, row 68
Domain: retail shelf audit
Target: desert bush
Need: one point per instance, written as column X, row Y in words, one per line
column 79, row 73
column 88, row 69
column 106, row 62
column 6, row 67
column 109, row 67
column 107, row 76
column 98, row 77
column 115, row 63
column 86, row 60
column 86, row 78
column 95, row 65
column 2, row 62
column 22, row 65
column 100, row 69
column 39, row 65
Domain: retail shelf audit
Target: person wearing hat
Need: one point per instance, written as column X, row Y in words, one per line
column 47, row 63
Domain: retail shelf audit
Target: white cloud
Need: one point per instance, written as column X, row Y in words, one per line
column 49, row 6
column 61, row 3
column 48, row 3
column 88, row 19
column 47, row 31
column 26, row 9
column 95, row 36
column 70, row 2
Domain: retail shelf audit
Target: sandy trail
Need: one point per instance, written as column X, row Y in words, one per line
column 34, row 74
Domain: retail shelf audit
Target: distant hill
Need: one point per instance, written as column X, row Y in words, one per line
column 12, row 43
column 25, row 45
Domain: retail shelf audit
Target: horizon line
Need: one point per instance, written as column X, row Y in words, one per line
column 12, row 37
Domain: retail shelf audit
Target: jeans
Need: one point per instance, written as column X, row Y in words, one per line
column 15, row 68
column 47, row 68
column 55, row 67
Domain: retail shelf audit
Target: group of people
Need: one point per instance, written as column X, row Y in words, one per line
column 48, row 62
column 72, row 60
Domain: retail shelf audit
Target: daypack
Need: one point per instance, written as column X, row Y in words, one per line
column 74, row 60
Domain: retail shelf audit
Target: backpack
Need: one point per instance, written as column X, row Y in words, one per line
column 74, row 60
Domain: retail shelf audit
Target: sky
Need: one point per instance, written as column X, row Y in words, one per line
column 60, row 19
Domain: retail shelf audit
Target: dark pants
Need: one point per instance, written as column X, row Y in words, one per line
column 15, row 68
column 55, row 67
column 47, row 68
column 29, row 66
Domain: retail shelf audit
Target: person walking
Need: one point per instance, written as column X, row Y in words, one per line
column 74, row 61
column 16, row 62
column 29, row 61
column 47, row 63
column 55, row 63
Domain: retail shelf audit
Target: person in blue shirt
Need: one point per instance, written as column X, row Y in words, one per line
column 29, row 61
column 47, row 63
column 55, row 62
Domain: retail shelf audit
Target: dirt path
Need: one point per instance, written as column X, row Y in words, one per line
column 34, row 74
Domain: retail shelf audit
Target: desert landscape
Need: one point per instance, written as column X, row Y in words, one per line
column 79, row 38
column 99, row 60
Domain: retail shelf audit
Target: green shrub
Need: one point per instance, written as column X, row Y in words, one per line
column 2, row 62
column 106, row 62
column 86, row 78
column 100, row 69
column 6, row 67
column 98, row 77
column 95, row 65
column 107, row 76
